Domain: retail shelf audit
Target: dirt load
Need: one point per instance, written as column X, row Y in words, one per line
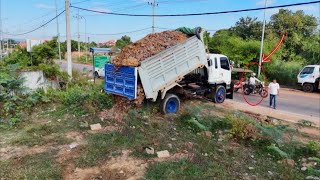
column 150, row 45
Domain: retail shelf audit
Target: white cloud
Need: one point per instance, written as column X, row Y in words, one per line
column 44, row 6
column 262, row 2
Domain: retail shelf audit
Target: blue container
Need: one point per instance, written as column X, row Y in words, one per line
column 121, row 81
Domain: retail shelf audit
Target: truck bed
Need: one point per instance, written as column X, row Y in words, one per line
column 160, row 72
column 164, row 70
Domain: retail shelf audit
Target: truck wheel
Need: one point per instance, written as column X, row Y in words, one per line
column 220, row 95
column 170, row 104
column 96, row 75
column 307, row 87
column 230, row 96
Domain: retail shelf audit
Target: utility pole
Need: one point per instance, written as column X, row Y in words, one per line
column 78, row 17
column 69, row 58
column 0, row 30
column 153, row 4
column 58, row 33
column 262, row 38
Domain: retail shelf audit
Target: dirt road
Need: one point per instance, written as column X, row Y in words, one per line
column 293, row 101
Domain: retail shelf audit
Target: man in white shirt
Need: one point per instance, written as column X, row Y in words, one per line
column 274, row 92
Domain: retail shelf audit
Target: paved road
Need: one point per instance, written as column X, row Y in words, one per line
column 290, row 101
column 75, row 66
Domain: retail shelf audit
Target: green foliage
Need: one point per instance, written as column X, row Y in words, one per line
column 80, row 99
column 248, row 28
column 19, row 56
column 42, row 53
column 125, row 40
column 285, row 72
column 38, row 166
column 278, row 151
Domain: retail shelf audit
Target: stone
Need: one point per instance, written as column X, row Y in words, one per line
column 163, row 154
column 95, row 127
column 170, row 146
column 149, row 150
column 303, row 168
column 270, row 173
column 73, row 145
column 207, row 134
column 288, row 162
column 173, row 139
column 251, row 168
column 189, row 145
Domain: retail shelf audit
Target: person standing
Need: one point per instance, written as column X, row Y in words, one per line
column 274, row 92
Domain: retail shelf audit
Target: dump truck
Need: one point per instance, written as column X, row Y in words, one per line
column 184, row 69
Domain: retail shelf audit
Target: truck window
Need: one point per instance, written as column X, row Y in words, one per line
column 224, row 63
column 216, row 63
column 209, row 62
column 307, row 70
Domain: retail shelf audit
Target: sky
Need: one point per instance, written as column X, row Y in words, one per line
column 19, row 16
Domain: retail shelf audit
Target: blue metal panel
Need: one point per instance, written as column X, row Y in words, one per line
column 121, row 81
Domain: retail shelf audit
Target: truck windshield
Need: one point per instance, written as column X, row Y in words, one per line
column 307, row 70
column 224, row 63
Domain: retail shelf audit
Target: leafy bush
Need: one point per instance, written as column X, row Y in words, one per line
column 242, row 129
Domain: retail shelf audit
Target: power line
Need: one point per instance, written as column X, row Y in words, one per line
column 28, row 32
column 198, row 14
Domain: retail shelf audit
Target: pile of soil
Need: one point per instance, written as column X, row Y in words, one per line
column 150, row 45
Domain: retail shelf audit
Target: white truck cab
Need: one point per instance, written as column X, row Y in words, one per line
column 219, row 69
column 309, row 78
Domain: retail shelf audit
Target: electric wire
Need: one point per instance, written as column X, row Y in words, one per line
column 197, row 14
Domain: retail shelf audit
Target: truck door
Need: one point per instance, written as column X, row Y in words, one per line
column 214, row 70
column 225, row 70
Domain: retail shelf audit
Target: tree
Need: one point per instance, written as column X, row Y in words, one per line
column 124, row 41
column 248, row 28
column 42, row 53
column 298, row 28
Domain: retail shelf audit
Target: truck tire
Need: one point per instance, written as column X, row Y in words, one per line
column 96, row 75
column 170, row 104
column 219, row 95
column 308, row 87
column 230, row 95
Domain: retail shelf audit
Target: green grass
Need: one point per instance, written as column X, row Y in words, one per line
column 38, row 166
column 41, row 134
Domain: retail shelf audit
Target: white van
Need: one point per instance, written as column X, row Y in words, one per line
column 309, row 78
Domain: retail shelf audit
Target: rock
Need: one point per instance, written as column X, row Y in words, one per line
column 303, row 168
column 163, row 154
column 310, row 164
column 95, row 127
column 121, row 172
column 73, row 145
column 149, row 150
column 173, row 139
column 189, row 145
column 288, row 162
column 170, row 146
column 207, row 134
column 270, row 173
column 251, row 168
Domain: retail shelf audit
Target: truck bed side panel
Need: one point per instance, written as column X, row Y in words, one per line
column 121, row 81
column 168, row 67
